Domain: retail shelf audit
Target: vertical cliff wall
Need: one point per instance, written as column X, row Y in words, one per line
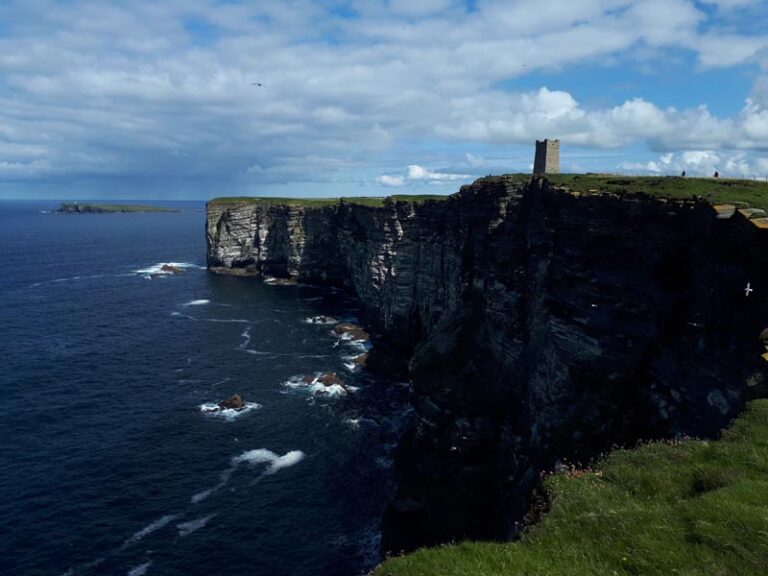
column 541, row 325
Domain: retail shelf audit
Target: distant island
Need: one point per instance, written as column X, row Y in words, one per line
column 76, row 208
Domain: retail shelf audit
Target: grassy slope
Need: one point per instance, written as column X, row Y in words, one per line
column 684, row 508
column 717, row 191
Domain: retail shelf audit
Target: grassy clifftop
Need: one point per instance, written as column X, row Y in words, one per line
column 666, row 508
column 742, row 193
column 751, row 193
column 362, row 200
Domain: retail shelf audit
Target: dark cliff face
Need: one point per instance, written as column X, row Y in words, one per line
column 541, row 326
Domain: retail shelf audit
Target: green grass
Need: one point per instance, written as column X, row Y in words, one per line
column 110, row 208
column 373, row 201
column 742, row 193
column 667, row 508
column 750, row 193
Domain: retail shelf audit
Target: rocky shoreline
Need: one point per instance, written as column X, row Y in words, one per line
column 541, row 326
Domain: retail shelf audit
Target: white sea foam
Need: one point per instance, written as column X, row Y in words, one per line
column 260, row 353
column 352, row 422
column 252, row 458
column 321, row 320
column 350, row 364
column 200, row 496
column 70, row 279
column 228, row 414
column 225, row 476
column 317, row 388
column 148, row 529
column 246, row 338
column 140, row 570
column 258, row 456
column 186, row 528
column 286, row 461
column 201, row 302
column 360, row 345
column 264, row 456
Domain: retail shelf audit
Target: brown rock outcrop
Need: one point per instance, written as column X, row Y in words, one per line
column 234, row 402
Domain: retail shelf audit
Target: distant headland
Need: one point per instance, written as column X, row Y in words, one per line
column 77, row 208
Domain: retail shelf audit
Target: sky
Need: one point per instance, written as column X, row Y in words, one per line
column 156, row 100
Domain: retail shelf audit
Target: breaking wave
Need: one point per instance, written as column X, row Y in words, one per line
column 202, row 302
column 228, row 414
column 321, row 320
column 252, row 458
column 157, row 269
column 264, row 456
column 317, row 388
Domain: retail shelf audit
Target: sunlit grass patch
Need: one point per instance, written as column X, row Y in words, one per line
column 687, row 507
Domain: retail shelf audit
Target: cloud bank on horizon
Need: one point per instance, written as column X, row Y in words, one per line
column 157, row 99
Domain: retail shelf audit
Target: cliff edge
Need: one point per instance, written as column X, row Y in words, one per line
column 542, row 324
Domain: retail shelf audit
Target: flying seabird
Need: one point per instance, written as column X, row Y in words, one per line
column 258, row 84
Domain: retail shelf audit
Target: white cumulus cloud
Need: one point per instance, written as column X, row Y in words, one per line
column 159, row 96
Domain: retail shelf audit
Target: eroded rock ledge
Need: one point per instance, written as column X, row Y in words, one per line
column 541, row 326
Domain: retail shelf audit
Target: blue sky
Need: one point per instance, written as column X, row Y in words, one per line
column 145, row 99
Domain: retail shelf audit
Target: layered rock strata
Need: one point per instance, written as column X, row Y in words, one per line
column 541, row 326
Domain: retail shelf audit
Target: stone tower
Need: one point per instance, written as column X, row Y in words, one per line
column 547, row 159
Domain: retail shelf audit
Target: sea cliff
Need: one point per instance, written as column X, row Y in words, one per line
column 541, row 325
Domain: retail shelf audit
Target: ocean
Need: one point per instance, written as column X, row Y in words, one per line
column 110, row 464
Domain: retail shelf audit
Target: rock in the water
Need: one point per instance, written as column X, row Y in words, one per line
column 170, row 269
column 234, row 402
column 330, row 379
column 351, row 331
column 327, row 384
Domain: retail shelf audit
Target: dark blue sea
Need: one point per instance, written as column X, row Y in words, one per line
column 109, row 465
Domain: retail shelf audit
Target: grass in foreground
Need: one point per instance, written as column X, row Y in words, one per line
column 667, row 508
column 373, row 201
column 750, row 193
